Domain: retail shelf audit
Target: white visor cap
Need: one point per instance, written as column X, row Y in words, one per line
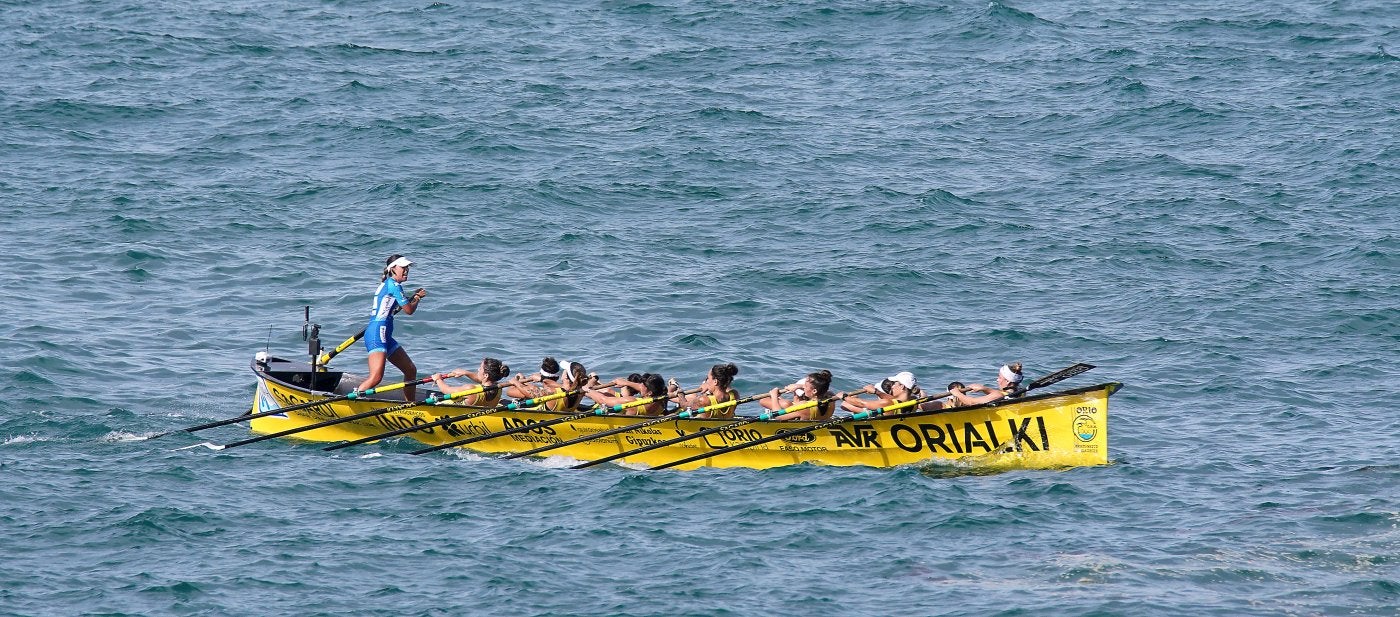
column 906, row 378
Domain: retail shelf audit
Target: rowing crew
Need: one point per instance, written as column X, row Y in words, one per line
column 648, row 394
column 809, row 397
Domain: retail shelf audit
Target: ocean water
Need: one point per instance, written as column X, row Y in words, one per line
column 1197, row 197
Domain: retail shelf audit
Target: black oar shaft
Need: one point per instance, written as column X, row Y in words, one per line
column 300, row 429
column 510, row 431
column 607, row 433
column 539, row 425
column 685, row 413
column 297, row 407
column 358, row 416
column 416, row 427
column 481, row 411
column 696, row 435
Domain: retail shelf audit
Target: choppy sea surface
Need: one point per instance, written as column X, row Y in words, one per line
column 1197, row 197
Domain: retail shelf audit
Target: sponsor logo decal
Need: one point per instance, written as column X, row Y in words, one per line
column 803, row 438
column 972, row 438
column 1085, row 428
column 266, row 402
column 858, row 436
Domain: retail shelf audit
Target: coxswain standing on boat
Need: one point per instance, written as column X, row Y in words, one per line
column 1008, row 386
column 379, row 334
column 717, row 388
column 491, row 372
column 647, row 385
column 815, row 386
column 898, row 388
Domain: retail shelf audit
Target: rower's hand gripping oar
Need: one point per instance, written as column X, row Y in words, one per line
column 680, row 414
column 596, row 411
column 481, row 411
column 431, row 400
column 1052, row 378
column 764, row 417
column 300, row 406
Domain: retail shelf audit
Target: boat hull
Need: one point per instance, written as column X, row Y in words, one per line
column 1063, row 429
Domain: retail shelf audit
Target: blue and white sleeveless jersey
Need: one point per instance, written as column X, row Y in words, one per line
column 379, row 334
column 386, row 298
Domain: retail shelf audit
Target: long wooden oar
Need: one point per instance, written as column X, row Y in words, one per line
column 299, row 406
column 763, row 417
column 481, row 411
column 1055, row 377
column 683, row 413
column 596, row 411
column 431, row 400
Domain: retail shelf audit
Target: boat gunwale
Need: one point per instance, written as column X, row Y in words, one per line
column 1111, row 386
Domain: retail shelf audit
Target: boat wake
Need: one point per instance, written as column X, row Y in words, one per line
column 21, row 439
column 466, row 455
column 555, row 462
column 121, row 436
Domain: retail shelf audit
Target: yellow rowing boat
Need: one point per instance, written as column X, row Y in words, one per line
column 1052, row 430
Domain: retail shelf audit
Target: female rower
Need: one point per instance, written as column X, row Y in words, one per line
column 815, row 386
column 1008, row 386
column 488, row 374
column 717, row 388
column 379, row 334
column 553, row 378
column 647, row 385
column 898, row 388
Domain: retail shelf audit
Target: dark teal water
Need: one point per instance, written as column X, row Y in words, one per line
column 1198, row 198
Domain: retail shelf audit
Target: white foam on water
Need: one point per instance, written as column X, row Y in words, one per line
column 372, row 455
column 466, row 455
column 554, row 462
column 120, row 436
column 212, row 446
column 22, row 439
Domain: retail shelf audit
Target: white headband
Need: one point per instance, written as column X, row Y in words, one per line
column 1010, row 375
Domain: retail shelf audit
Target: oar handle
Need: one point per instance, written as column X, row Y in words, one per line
column 691, row 413
column 605, row 409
